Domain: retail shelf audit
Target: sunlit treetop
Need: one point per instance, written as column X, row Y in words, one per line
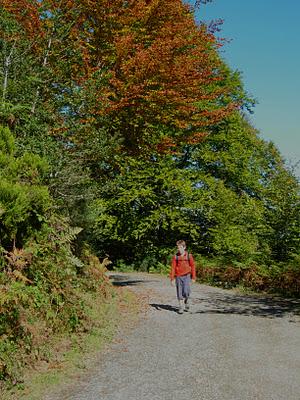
column 160, row 67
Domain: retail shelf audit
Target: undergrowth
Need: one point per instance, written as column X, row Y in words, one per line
column 283, row 278
column 46, row 291
column 66, row 356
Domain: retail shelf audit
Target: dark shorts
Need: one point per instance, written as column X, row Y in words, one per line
column 183, row 286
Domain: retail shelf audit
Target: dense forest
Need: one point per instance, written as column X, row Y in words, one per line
column 122, row 130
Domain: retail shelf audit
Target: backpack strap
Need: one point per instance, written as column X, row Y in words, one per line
column 177, row 258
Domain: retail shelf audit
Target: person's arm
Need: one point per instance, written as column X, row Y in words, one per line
column 193, row 267
column 172, row 272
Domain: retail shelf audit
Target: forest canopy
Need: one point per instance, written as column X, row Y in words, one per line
column 144, row 131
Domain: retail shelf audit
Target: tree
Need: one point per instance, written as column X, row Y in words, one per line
column 253, row 191
column 143, row 211
column 24, row 200
column 163, row 71
column 282, row 207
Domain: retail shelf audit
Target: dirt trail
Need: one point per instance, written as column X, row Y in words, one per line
column 228, row 347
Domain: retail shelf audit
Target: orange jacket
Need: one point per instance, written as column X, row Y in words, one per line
column 185, row 265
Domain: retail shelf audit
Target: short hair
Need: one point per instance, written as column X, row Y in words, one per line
column 181, row 243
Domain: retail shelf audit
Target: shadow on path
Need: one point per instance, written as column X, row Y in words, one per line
column 123, row 280
column 166, row 307
column 210, row 302
column 247, row 305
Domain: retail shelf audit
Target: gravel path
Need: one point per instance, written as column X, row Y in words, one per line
column 228, row 347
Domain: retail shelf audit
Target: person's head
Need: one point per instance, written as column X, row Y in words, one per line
column 181, row 246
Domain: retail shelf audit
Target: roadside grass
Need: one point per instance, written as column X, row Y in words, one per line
column 68, row 357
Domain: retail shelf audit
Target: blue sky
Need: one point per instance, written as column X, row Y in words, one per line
column 265, row 46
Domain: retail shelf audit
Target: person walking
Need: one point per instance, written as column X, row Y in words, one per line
column 183, row 270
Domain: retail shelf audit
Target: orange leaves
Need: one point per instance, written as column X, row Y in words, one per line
column 197, row 137
column 17, row 260
column 26, row 13
column 167, row 145
column 124, row 46
column 163, row 64
column 136, row 62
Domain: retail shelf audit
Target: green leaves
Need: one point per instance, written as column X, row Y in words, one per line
column 140, row 122
column 7, row 145
column 225, row 196
column 144, row 206
column 23, row 199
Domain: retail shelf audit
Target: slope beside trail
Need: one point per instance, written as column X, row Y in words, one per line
column 228, row 347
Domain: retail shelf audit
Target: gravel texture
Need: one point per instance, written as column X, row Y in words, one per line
column 228, row 347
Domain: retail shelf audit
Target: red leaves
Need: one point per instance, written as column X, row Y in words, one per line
column 158, row 66
column 162, row 65
column 26, row 13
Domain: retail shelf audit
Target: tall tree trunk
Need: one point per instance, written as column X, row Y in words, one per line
column 37, row 93
column 7, row 62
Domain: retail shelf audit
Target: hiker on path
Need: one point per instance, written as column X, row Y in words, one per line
column 183, row 270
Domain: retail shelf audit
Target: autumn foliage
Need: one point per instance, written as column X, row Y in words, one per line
column 163, row 68
column 160, row 69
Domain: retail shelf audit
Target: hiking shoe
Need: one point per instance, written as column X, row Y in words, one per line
column 187, row 305
column 180, row 308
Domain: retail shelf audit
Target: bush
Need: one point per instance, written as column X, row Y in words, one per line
column 280, row 278
column 41, row 281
